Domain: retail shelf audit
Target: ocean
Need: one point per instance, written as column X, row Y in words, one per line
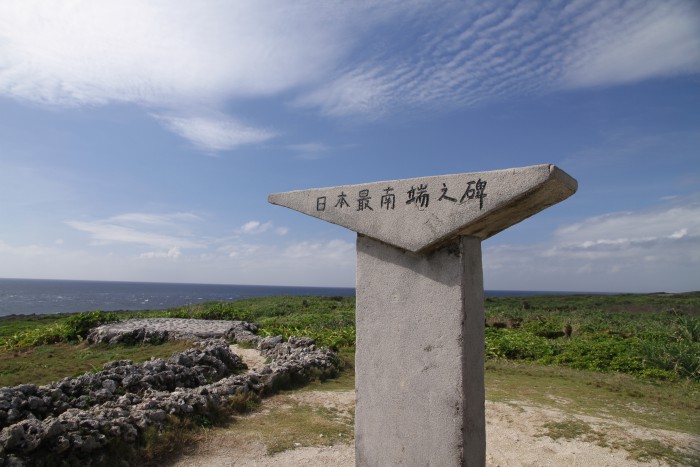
column 36, row 296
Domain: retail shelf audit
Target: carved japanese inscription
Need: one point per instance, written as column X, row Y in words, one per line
column 420, row 196
column 418, row 214
column 438, row 417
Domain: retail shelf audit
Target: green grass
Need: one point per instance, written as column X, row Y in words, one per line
column 655, row 336
column 651, row 404
column 647, row 450
column 47, row 363
column 62, row 328
column 633, row 358
column 568, row 429
column 295, row 424
column 345, row 381
column 652, row 335
column 15, row 324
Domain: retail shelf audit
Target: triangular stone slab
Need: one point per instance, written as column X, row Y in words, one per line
column 421, row 213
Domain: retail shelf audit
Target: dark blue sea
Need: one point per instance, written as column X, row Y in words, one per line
column 28, row 296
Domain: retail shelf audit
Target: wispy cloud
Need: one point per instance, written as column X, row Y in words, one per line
column 648, row 40
column 174, row 252
column 163, row 232
column 332, row 250
column 154, row 219
column 218, row 133
column 160, row 53
column 623, row 251
column 255, row 227
column 467, row 54
column 174, row 59
column 187, row 62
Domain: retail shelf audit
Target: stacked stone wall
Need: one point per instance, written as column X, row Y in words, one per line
column 85, row 420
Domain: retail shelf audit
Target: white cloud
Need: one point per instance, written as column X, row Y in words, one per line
column 160, row 52
column 466, row 54
column 363, row 91
column 333, row 250
column 154, row 219
column 255, row 227
column 649, row 250
column 174, row 58
column 172, row 253
column 655, row 249
column 219, row 133
column 185, row 62
column 140, row 229
column 240, row 250
column 614, row 227
column 327, row 263
column 660, row 39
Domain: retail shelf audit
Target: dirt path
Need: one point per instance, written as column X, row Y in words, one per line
column 518, row 434
column 250, row 357
column 515, row 437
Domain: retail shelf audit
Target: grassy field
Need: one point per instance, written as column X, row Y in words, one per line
column 586, row 348
column 655, row 336
column 634, row 357
column 46, row 363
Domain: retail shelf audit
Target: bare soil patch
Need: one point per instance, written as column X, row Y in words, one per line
column 251, row 357
column 518, row 434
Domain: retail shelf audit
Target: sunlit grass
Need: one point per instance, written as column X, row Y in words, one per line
column 47, row 363
column 651, row 404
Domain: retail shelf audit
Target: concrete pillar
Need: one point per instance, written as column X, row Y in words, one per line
column 420, row 355
column 420, row 316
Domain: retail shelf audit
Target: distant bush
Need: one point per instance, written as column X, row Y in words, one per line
column 79, row 325
column 599, row 353
column 73, row 328
column 515, row 344
column 678, row 352
column 654, row 335
column 633, row 334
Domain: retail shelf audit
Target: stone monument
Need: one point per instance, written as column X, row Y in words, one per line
column 420, row 313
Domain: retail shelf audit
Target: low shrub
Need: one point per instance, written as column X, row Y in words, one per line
column 79, row 325
column 599, row 353
column 515, row 344
column 74, row 328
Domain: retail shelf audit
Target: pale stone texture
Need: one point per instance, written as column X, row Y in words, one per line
column 508, row 197
column 419, row 358
column 420, row 318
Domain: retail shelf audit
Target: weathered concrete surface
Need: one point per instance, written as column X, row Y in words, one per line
column 423, row 213
column 419, row 358
column 162, row 329
column 420, row 319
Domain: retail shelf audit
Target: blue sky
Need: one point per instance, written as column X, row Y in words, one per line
column 139, row 139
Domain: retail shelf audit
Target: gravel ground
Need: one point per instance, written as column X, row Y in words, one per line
column 514, row 437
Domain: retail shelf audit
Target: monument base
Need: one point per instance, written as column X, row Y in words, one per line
column 420, row 355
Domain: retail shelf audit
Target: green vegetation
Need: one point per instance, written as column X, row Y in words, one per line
column 60, row 328
column 298, row 424
column 329, row 320
column 649, row 403
column 46, row 363
column 655, row 335
column 634, row 358
column 568, row 429
column 39, row 349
